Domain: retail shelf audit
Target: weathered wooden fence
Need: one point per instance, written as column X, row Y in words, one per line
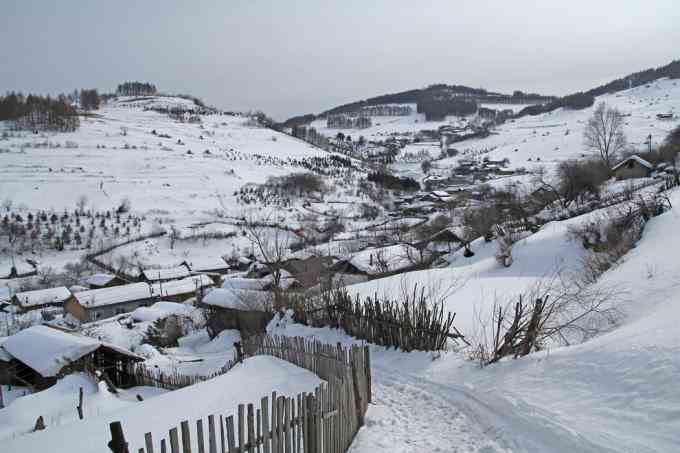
column 323, row 421
column 414, row 323
column 140, row 374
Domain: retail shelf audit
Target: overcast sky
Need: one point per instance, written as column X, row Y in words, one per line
column 298, row 56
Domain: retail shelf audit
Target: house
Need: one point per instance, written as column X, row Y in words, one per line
column 379, row 262
column 98, row 281
column 242, row 309
column 40, row 355
column 41, row 299
column 101, row 303
column 632, row 167
column 165, row 274
column 181, row 290
column 207, row 265
column 308, row 272
column 443, row 241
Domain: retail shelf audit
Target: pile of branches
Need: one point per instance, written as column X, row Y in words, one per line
column 412, row 323
column 521, row 335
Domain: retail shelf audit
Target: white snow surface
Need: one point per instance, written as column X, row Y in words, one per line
column 39, row 297
column 246, row 383
column 48, row 350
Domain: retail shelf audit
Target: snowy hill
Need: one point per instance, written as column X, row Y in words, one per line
column 115, row 155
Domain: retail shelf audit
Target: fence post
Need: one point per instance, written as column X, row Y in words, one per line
column 117, row 443
column 239, row 352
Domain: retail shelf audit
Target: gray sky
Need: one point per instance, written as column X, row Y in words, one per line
column 298, row 56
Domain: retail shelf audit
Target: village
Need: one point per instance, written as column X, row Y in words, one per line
column 212, row 249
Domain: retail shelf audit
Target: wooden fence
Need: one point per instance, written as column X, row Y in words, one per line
column 410, row 324
column 323, row 421
column 141, row 375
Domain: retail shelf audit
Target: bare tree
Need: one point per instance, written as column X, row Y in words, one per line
column 81, row 203
column 272, row 243
column 604, row 133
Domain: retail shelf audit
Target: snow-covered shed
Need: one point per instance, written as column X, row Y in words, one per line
column 106, row 302
column 165, row 274
column 243, row 309
column 43, row 354
column 41, row 298
column 207, row 264
column 633, row 167
column 380, row 261
column 181, row 290
column 308, row 271
column 98, row 281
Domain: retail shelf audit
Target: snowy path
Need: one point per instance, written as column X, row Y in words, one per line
column 410, row 414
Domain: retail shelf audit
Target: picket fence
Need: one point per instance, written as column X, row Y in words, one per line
column 323, row 421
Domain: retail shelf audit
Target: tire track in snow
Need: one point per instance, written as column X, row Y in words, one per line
column 410, row 416
column 413, row 414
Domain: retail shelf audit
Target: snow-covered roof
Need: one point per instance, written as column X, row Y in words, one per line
column 236, row 299
column 48, row 350
column 184, row 286
column 40, row 297
column 206, row 263
column 635, row 158
column 5, row 294
column 160, row 310
column 243, row 283
column 99, row 279
column 386, row 259
column 113, row 295
column 170, row 273
column 440, row 193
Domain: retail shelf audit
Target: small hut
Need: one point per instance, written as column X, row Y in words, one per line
column 633, row 167
column 98, row 281
column 165, row 274
column 40, row 355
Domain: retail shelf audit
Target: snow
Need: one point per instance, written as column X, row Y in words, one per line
column 635, row 158
column 157, row 415
column 99, row 279
column 394, row 257
column 114, row 295
column 5, row 294
column 236, row 283
column 160, row 310
column 28, row 299
column 206, row 264
column 184, row 286
column 48, row 350
column 153, row 275
column 237, row 299
column 57, row 405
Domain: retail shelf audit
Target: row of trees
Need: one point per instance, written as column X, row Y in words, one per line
column 136, row 89
column 310, row 135
column 436, row 105
column 89, row 99
column 39, row 112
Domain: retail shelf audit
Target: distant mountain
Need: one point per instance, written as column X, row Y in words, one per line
column 432, row 97
column 425, row 98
